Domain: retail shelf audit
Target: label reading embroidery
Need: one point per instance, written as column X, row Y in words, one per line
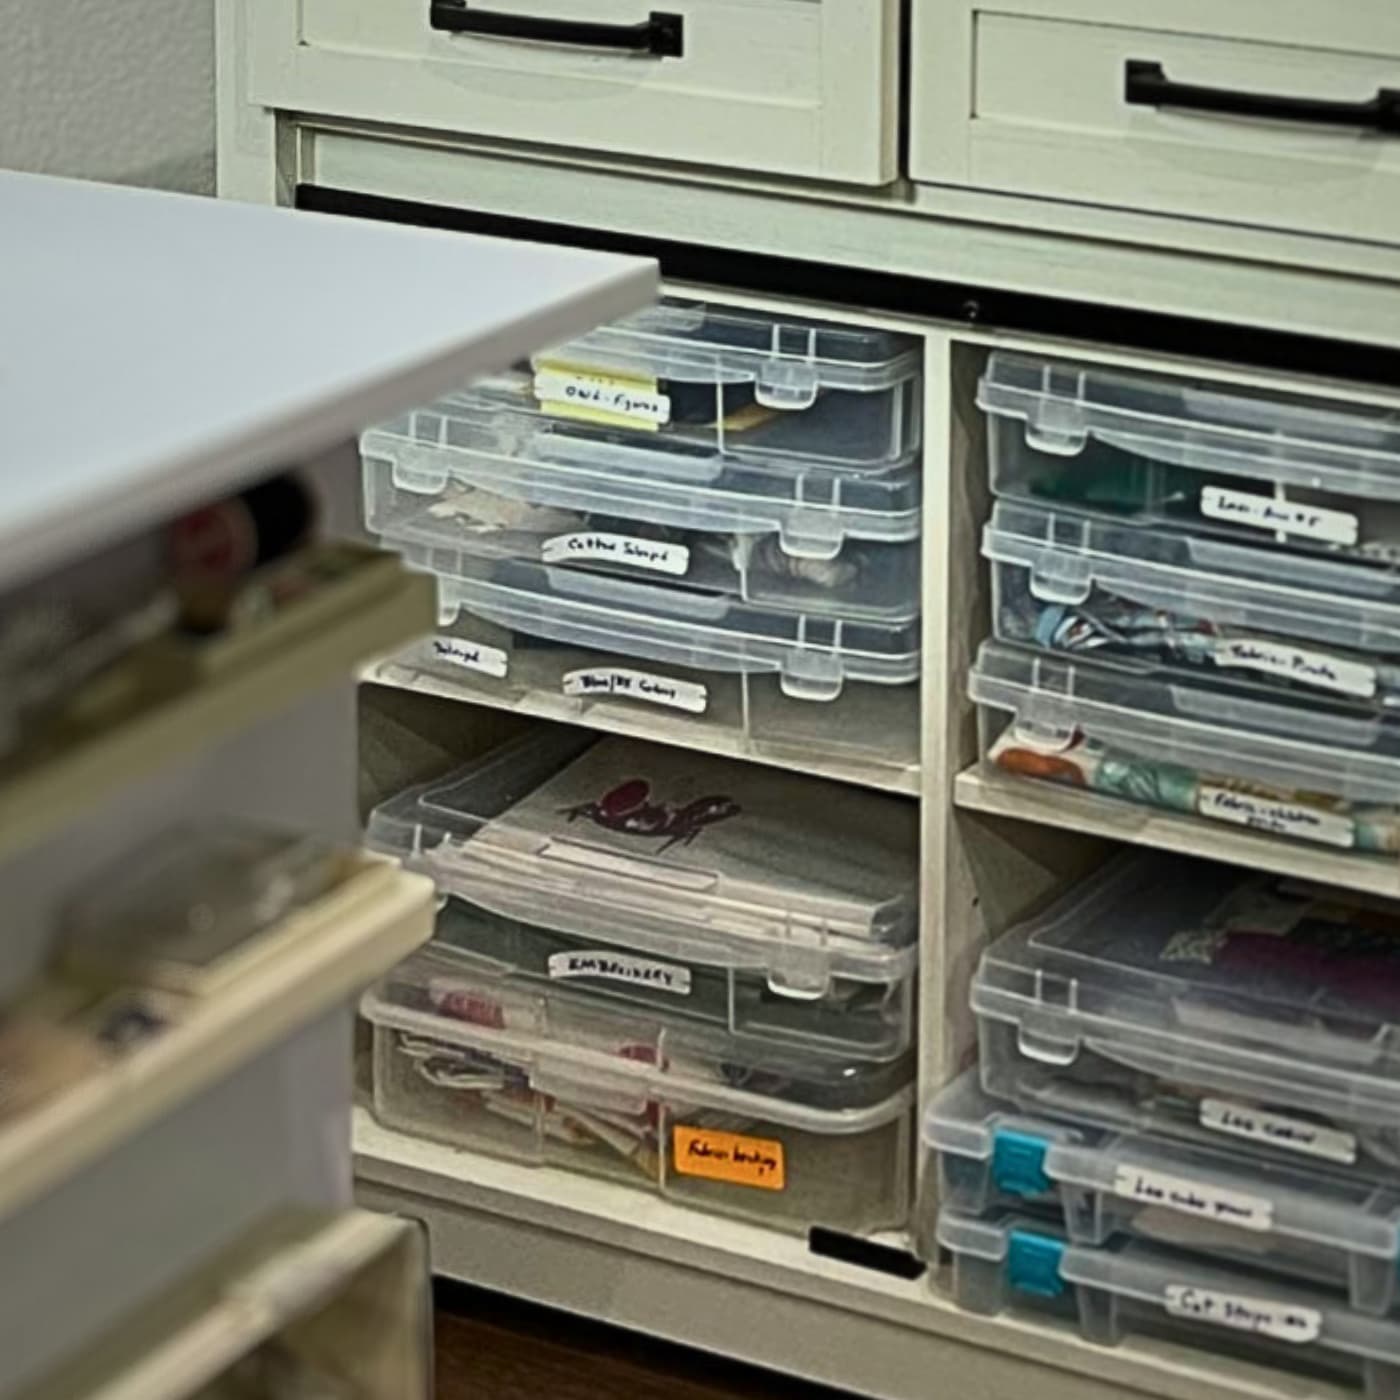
column 1281, row 818
column 1313, row 668
column 1291, row 1134
column 1283, row 517
column 602, row 398
column 1194, row 1198
column 689, row 696
column 471, row 656
column 653, row 555
column 621, row 967
column 1286, row 1321
column 731, row 1157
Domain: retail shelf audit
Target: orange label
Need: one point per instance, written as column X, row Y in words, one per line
column 742, row 1161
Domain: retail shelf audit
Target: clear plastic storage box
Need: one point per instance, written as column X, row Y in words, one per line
column 874, row 729
column 1312, row 1222
column 864, row 579
column 1324, row 769
column 194, row 906
column 1071, row 582
column 494, row 439
column 812, row 656
column 1136, row 1289
column 552, row 1076
column 748, row 384
column 788, row 900
column 726, row 985
column 1309, row 473
column 779, row 682
column 1191, row 999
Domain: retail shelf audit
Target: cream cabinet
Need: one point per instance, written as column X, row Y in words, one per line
column 796, row 87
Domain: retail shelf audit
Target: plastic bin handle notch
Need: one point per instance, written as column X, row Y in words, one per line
column 1145, row 84
column 659, row 35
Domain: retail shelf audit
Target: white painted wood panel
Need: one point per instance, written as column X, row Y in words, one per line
column 802, row 87
column 157, row 350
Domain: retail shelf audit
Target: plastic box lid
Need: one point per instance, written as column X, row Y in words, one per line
column 813, row 656
column 1214, row 724
column 1029, row 1155
column 574, row 1046
column 788, row 359
column 1193, row 1289
column 504, row 445
column 1345, row 605
column 1300, row 441
column 660, row 848
column 1255, row 984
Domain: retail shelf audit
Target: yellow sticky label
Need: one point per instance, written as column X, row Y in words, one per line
column 590, row 396
column 731, row 1157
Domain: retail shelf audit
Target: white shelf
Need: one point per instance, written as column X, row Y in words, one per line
column 656, row 727
column 318, row 960
column 979, row 789
column 163, row 349
column 304, row 649
column 280, row 1277
column 627, row 1258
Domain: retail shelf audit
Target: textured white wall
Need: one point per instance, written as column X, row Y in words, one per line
column 109, row 90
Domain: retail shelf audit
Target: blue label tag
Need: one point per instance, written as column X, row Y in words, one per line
column 1033, row 1264
column 1018, row 1163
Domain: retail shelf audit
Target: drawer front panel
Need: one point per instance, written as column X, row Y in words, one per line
column 802, row 87
column 1279, row 133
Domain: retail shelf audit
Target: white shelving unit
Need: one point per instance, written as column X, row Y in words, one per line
column 167, row 352
column 993, row 848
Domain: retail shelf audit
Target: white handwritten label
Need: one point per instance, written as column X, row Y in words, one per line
column 605, row 396
column 471, row 656
column 622, row 967
column 638, row 685
column 1276, row 815
column 1313, row 668
column 1281, row 516
column 1194, row 1198
column 1288, row 1322
column 1279, row 1130
column 655, row 555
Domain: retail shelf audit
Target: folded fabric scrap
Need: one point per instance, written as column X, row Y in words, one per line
column 1087, row 763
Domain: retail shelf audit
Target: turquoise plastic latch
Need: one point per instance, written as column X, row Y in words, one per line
column 1033, row 1263
column 1018, row 1163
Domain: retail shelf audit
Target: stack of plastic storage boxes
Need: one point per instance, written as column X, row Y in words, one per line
column 685, row 973
column 1197, row 599
column 709, row 514
column 1186, row 1119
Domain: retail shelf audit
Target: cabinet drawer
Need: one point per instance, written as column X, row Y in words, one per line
column 800, row 87
column 1282, row 122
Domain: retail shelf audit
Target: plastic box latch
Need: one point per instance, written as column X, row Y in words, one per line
column 1033, row 1264
column 1018, row 1163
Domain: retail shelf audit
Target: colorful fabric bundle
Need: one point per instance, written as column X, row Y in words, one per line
column 1086, row 763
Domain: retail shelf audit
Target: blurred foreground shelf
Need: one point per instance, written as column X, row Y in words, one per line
column 319, row 958
column 345, row 1295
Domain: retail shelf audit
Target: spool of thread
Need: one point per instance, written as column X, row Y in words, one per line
column 213, row 550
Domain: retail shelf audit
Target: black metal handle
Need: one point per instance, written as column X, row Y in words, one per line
column 662, row 36
column 1145, row 84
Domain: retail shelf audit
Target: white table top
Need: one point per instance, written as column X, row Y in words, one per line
column 158, row 350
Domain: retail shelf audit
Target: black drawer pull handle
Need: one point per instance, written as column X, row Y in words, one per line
column 662, row 36
column 1145, row 84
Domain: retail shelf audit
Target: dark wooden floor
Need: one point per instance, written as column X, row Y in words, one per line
column 493, row 1348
